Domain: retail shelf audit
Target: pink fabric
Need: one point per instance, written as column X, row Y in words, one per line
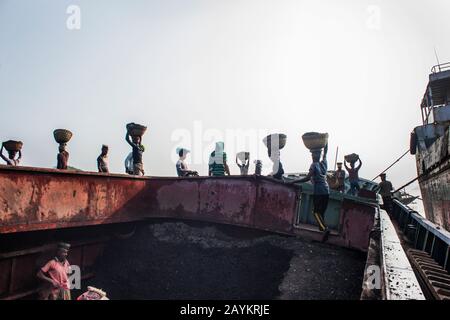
column 58, row 272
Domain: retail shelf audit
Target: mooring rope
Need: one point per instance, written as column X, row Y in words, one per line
column 407, row 151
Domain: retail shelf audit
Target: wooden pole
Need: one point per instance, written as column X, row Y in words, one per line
column 335, row 160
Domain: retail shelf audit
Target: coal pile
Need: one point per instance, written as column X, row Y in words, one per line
column 176, row 260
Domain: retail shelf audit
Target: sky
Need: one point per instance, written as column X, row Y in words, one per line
column 200, row 71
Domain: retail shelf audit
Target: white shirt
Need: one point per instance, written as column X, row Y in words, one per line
column 129, row 162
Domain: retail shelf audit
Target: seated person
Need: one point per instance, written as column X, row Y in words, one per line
column 181, row 166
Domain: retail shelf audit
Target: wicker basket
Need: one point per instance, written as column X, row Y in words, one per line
column 351, row 157
column 135, row 129
column 62, row 135
column 281, row 138
column 12, row 145
column 243, row 156
column 315, row 140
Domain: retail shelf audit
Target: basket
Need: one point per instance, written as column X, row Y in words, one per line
column 62, row 135
column 281, row 138
column 351, row 157
column 243, row 156
column 135, row 129
column 315, row 140
column 12, row 145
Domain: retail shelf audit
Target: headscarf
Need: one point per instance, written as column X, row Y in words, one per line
column 185, row 151
column 218, row 154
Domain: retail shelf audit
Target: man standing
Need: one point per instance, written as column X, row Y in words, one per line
column 258, row 167
column 340, row 178
column 353, row 176
column 54, row 274
column 138, row 150
column 218, row 161
column 386, row 192
column 318, row 176
column 243, row 167
column 63, row 157
column 102, row 160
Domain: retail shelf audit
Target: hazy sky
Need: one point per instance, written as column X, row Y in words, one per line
column 200, row 69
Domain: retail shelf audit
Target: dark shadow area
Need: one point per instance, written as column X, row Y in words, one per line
column 190, row 260
column 144, row 267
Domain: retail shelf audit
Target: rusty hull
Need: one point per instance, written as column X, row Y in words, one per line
column 41, row 199
column 433, row 169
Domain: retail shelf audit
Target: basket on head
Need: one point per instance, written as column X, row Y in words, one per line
column 315, row 140
column 12, row 145
column 135, row 129
column 243, row 156
column 351, row 157
column 272, row 140
column 62, row 135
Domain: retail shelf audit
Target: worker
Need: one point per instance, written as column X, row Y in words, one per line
column 63, row 157
column 321, row 191
column 102, row 160
column 11, row 161
column 353, row 176
column 277, row 169
column 339, row 175
column 55, row 275
column 258, row 167
column 386, row 193
column 138, row 150
column 243, row 167
column 218, row 161
column 181, row 166
column 129, row 163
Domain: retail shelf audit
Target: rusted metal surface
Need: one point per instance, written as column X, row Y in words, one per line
column 400, row 282
column 422, row 234
column 357, row 223
column 37, row 199
column 435, row 190
column 373, row 261
column 42, row 199
column 433, row 276
column 433, row 147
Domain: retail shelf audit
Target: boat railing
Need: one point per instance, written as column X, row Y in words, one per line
column 441, row 67
column 423, row 234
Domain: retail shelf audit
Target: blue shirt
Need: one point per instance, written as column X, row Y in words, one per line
column 318, row 172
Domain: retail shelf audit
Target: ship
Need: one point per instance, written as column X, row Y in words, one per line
column 430, row 144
